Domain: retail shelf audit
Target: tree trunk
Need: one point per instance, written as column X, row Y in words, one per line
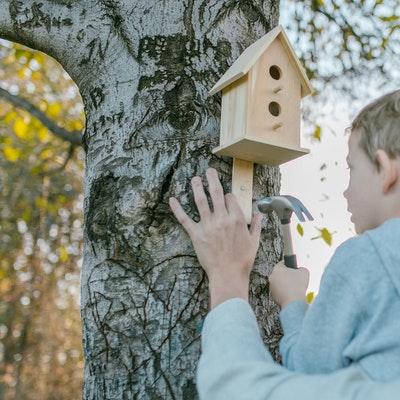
column 144, row 70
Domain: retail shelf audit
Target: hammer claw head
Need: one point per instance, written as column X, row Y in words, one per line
column 280, row 204
column 284, row 206
column 299, row 209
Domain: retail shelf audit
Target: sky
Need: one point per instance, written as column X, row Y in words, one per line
column 319, row 180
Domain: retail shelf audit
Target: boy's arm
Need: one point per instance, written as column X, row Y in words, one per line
column 328, row 325
column 235, row 365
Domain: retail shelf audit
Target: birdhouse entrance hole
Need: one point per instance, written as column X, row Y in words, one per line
column 275, row 72
column 274, row 108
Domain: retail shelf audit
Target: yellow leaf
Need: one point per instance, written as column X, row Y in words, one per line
column 39, row 202
column 46, row 153
column 63, row 254
column 317, row 133
column 62, row 199
column 21, row 73
column 40, row 58
column 10, row 117
column 300, row 230
column 11, row 154
column 27, row 214
column 21, row 128
column 76, row 125
column 53, row 110
column 327, row 236
column 43, row 134
column 310, row 297
column 36, row 75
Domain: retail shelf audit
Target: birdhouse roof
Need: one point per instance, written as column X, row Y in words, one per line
column 250, row 56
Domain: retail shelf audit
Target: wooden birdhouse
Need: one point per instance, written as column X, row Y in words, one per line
column 260, row 108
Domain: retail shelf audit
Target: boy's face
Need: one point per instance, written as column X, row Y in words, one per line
column 364, row 188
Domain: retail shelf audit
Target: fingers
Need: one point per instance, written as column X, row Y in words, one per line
column 216, row 191
column 200, row 197
column 233, row 207
column 222, row 204
column 181, row 215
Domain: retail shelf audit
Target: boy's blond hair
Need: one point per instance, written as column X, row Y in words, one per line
column 379, row 126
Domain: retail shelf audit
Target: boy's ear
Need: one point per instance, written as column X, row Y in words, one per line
column 388, row 167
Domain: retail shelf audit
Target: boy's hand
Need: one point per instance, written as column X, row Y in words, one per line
column 288, row 285
column 224, row 245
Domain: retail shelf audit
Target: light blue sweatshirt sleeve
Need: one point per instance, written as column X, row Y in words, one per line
column 355, row 317
column 235, row 365
column 315, row 338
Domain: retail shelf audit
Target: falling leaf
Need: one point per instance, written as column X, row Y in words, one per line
column 317, row 133
column 300, row 230
column 325, row 235
column 310, row 297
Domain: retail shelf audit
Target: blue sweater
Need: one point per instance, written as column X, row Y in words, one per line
column 235, row 365
column 356, row 316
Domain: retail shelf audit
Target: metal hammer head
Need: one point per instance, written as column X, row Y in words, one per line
column 283, row 207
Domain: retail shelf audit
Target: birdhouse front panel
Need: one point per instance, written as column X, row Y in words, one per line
column 274, row 98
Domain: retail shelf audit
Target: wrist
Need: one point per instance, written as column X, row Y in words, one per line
column 226, row 288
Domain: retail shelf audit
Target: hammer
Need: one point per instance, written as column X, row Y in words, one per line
column 284, row 206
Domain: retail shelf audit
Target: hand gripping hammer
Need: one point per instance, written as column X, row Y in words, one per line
column 283, row 207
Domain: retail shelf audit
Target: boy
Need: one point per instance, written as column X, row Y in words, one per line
column 356, row 313
column 235, row 364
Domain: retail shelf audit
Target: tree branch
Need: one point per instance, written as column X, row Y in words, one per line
column 51, row 26
column 74, row 137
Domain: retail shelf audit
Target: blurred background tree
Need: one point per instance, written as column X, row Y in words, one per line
column 41, row 179
column 349, row 48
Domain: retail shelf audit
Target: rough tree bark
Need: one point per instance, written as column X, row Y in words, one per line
column 144, row 69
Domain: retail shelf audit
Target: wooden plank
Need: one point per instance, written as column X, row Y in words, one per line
column 242, row 186
column 260, row 152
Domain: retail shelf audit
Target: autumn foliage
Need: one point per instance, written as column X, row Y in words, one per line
column 41, row 179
